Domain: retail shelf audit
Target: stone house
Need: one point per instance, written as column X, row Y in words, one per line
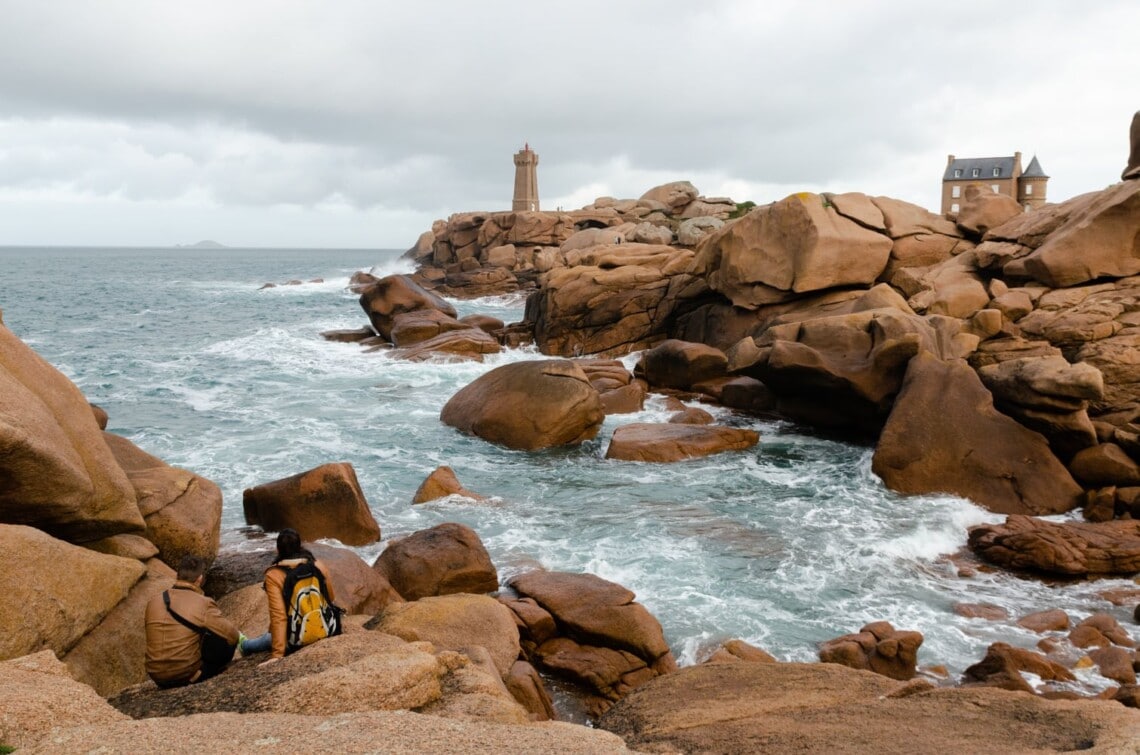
column 1002, row 174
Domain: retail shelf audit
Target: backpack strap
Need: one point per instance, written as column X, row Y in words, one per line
column 179, row 619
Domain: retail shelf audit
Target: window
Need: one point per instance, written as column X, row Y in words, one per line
column 996, row 188
column 997, row 172
column 1028, row 190
column 975, row 173
column 956, row 192
column 954, row 208
column 957, row 173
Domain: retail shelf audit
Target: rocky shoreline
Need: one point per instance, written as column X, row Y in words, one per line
column 993, row 357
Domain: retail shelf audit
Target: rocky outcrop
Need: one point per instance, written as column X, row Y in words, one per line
column 795, row 707
column 182, row 510
column 359, row 588
column 972, row 450
column 323, row 502
column 797, row 245
column 440, row 484
column 528, row 406
column 877, row 647
column 589, row 631
column 983, row 209
column 57, row 473
column 613, row 300
column 666, row 442
column 445, row 559
column 393, row 295
column 1060, row 548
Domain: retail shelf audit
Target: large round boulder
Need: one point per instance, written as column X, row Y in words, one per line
column 681, row 364
column 56, row 472
column 323, row 502
column 445, row 559
column 528, row 406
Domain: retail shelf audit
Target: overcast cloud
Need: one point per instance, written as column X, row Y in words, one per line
column 275, row 123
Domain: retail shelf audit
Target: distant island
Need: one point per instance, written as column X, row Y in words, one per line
column 205, row 244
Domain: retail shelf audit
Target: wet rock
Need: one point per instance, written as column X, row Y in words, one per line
column 1114, row 663
column 323, row 502
column 667, row 442
column 442, row 560
column 681, row 364
column 396, row 294
column 987, row 611
column 1053, row 620
column 971, row 450
column 1003, row 665
column 440, row 484
column 348, row 336
column 877, row 647
column 1069, row 548
column 528, row 406
column 735, row 651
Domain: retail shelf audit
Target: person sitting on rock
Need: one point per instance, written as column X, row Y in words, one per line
column 187, row 638
column 291, row 626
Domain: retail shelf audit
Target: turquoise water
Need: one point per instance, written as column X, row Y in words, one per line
column 785, row 545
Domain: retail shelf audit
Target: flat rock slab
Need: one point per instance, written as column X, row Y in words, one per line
column 825, row 708
column 674, row 442
column 1066, row 548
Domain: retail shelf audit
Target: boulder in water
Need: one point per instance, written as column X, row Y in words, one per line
column 323, row 502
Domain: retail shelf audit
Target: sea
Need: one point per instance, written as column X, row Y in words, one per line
column 785, row 545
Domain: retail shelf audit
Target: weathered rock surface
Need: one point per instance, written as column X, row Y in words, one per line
column 666, row 442
column 323, row 502
column 57, row 473
column 182, row 510
column 111, row 655
column 60, row 604
column 825, row 708
column 445, row 559
column 395, row 294
column 457, row 622
column 972, row 450
column 1068, row 548
column 877, row 647
column 984, row 209
column 797, row 245
column 40, row 696
column 528, row 406
column 1132, row 170
column 278, row 733
column 360, row 589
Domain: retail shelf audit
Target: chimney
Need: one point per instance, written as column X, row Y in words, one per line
column 949, row 160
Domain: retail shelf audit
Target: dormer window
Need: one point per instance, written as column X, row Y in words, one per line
column 957, row 173
column 997, row 172
column 975, row 173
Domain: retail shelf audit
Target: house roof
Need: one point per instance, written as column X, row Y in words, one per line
column 985, row 166
column 1034, row 170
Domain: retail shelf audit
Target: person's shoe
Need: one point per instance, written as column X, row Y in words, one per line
column 241, row 644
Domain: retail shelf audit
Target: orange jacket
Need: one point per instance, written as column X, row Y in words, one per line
column 274, row 582
column 173, row 651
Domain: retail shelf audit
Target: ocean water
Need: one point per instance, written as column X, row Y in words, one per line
column 786, row 545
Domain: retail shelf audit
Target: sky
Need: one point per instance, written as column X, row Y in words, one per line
column 343, row 124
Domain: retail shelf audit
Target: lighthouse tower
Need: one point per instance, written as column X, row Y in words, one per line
column 526, row 180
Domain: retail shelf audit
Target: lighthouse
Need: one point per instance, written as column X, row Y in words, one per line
column 526, row 180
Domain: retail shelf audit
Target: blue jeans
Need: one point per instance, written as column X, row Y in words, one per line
column 261, row 644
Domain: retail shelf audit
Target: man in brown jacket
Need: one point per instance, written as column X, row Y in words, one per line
column 187, row 638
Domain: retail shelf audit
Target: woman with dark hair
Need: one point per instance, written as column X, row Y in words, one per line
column 296, row 575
